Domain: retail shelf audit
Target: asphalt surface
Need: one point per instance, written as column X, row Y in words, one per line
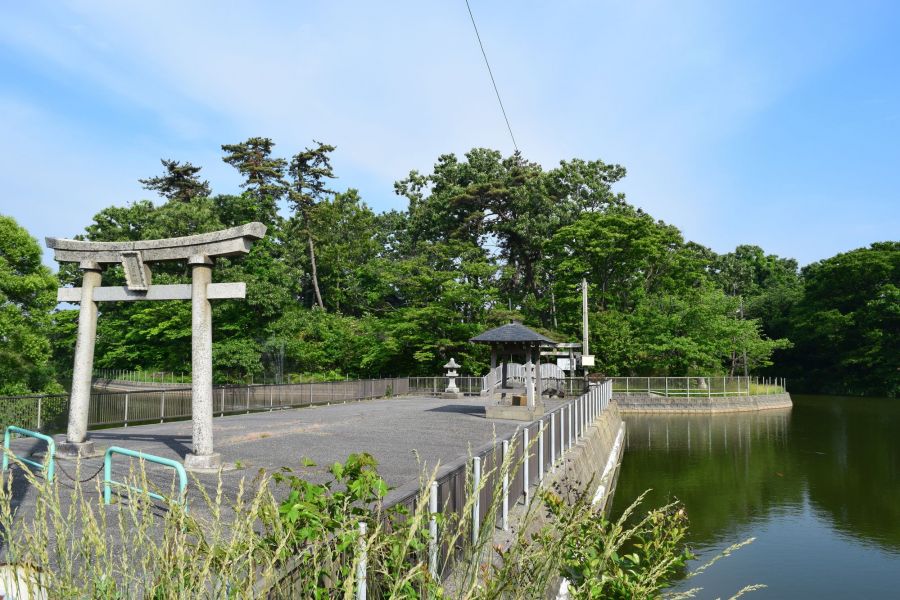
column 407, row 435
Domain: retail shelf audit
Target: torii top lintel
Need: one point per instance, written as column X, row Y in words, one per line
column 227, row 242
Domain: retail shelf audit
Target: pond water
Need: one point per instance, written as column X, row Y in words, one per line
column 818, row 486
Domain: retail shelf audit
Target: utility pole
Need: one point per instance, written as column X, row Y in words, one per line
column 746, row 366
column 585, row 350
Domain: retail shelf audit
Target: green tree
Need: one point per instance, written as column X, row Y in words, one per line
column 263, row 176
column 767, row 284
column 309, row 172
column 156, row 335
column 345, row 244
column 624, row 253
column 846, row 326
column 27, row 297
column 180, row 182
column 511, row 204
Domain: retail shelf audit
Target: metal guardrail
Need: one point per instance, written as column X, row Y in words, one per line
column 437, row 385
column 108, row 481
column 151, row 377
column 705, row 386
column 474, row 386
column 108, row 409
column 538, row 447
column 49, row 464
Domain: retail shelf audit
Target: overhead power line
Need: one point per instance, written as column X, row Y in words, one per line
column 491, row 73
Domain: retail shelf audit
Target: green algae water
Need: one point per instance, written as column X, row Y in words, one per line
column 818, row 486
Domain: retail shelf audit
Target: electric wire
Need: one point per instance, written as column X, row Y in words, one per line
column 491, row 73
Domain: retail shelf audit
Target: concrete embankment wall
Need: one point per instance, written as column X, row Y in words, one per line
column 644, row 403
column 581, row 472
column 585, row 463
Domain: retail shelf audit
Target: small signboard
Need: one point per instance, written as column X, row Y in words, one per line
column 587, row 360
column 565, row 364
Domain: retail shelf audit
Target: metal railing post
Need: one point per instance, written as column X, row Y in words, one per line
column 433, row 530
column 563, row 430
column 541, row 453
column 476, row 504
column 162, row 406
column 108, row 481
column 571, row 425
column 574, row 422
column 49, row 464
column 579, row 427
column 553, row 438
column 126, row 409
column 580, row 417
column 667, row 387
column 583, row 401
column 362, row 565
column 39, row 414
column 525, row 464
column 504, row 509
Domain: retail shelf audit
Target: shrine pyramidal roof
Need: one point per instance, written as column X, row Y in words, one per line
column 512, row 333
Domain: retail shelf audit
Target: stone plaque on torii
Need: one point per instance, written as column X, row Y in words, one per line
column 200, row 252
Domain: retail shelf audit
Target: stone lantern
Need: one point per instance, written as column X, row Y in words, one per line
column 452, row 391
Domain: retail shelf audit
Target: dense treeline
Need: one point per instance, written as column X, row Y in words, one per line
column 336, row 289
column 845, row 323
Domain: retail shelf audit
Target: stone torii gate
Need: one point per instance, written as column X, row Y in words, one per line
column 199, row 251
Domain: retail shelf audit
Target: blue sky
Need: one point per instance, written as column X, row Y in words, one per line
column 771, row 123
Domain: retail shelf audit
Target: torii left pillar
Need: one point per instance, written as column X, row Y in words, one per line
column 76, row 443
column 200, row 252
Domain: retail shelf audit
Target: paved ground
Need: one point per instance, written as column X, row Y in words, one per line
column 404, row 434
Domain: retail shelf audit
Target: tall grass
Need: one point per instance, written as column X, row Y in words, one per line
column 280, row 536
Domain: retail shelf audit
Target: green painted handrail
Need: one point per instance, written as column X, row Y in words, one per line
column 49, row 464
column 167, row 462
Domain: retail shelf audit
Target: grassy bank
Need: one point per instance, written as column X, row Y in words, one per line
column 282, row 537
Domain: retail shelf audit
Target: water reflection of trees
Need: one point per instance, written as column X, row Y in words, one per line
column 727, row 469
column 731, row 470
column 849, row 450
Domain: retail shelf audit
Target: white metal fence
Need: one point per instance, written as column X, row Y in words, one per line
column 552, row 377
column 438, row 385
column 152, row 377
column 465, row 491
column 710, row 386
column 168, row 402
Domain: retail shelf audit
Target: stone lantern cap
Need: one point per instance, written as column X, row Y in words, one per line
column 452, row 364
